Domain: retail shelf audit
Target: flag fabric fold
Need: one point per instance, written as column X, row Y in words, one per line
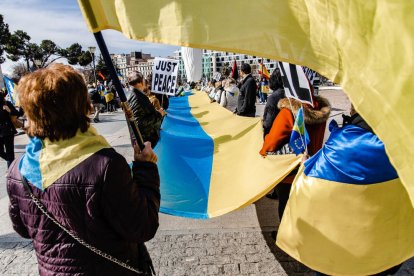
column 208, row 160
column 353, row 43
column 348, row 212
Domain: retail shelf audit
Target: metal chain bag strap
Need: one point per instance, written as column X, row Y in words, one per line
column 95, row 250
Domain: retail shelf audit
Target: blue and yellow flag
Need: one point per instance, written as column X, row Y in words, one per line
column 348, row 212
column 109, row 96
column 44, row 161
column 208, row 160
column 10, row 91
column 353, row 43
column 299, row 138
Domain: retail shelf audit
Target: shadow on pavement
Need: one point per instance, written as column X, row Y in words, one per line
column 266, row 210
column 10, row 239
column 106, row 120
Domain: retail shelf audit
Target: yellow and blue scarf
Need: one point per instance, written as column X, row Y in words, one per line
column 45, row 161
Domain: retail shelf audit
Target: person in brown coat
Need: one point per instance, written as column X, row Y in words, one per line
column 83, row 183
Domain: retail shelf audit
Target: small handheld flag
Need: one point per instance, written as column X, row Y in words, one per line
column 235, row 71
column 102, row 76
column 263, row 71
column 299, row 137
column 10, row 89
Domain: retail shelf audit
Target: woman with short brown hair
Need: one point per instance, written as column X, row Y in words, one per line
column 83, row 183
column 54, row 100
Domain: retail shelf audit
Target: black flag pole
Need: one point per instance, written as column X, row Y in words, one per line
column 136, row 134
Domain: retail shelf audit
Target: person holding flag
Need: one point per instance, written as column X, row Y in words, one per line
column 85, row 209
column 289, row 126
column 263, row 84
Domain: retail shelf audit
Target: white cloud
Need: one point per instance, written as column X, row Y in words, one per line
column 62, row 22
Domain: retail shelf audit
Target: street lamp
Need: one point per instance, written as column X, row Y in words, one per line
column 92, row 50
column 38, row 63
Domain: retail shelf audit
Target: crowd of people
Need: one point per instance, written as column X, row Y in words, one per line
column 115, row 209
column 103, row 98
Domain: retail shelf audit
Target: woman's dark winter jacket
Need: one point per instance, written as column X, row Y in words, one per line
column 246, row 102
column 164, row 101
column 271, row 110
column 149, row 120
column 99, row 201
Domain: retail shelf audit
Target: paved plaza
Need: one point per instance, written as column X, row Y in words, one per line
column 238, row 243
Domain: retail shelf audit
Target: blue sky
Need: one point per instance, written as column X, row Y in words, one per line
column 61, row 21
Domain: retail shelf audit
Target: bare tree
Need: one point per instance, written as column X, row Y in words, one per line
column 18, row 71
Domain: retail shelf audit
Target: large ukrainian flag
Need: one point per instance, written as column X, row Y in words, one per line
column 348, row 213
column 208, row 159
column 367, row 46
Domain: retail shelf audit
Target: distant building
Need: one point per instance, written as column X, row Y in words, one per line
column 121, row 62
column 135, row 61
column 213, row 61
column 216, row 61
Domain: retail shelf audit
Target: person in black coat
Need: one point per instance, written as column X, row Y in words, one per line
column 149, row 120
column 7, row 129
column 271, row 110
column 246, row 103
column 162, row 98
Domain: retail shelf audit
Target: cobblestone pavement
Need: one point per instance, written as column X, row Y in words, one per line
column 191, row 247
column 228, row 253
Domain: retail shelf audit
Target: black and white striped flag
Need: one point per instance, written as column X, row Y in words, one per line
column 295, row 82
column 310, row 74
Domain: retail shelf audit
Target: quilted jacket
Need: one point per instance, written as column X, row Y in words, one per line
column 99, row 201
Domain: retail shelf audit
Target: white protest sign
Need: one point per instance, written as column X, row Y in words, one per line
column 164, row 76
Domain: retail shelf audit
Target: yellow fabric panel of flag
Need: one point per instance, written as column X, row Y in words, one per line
column 237, row 138
column 109, row 97
column 347, row 229
column 366, row 46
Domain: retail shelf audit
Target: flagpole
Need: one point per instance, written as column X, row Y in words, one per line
column 136, row 134
column 302, row 138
